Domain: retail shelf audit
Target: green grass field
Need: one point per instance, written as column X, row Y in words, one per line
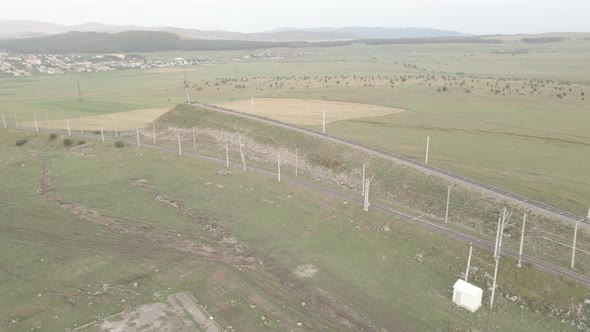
column 547, row 136
column 60, row 270
column 61, row 266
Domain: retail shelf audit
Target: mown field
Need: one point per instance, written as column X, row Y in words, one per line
column 257, row 254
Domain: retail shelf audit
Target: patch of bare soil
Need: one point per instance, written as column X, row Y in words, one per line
column 306, row 271
column 179, row 313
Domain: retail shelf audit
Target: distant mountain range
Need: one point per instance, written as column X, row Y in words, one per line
column 26, row 29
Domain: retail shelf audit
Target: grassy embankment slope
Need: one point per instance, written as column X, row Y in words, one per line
column 59, row 269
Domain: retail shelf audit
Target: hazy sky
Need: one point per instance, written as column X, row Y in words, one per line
column 470, row 16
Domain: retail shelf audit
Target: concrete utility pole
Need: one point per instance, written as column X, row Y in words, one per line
column 188, row 97
column 4, row 122
column 519, row 264
column 497, row 236
column 427, row 148
column 226, row 156
column 36, row 126
column 15, row 121
column 324, row 122
column 179, row 146
column 137, row 133
column 68, row 125
column 154, row 131
column 279, row 167
column 502, row 224
column 116, row 132
column 574, row 245
column 447, row 209
column 79, row 92
column 252, row 105
column 366, row 200
column 47, row 116
column 468, row 261
column 101, row 132
column 81, row 127
column 363, row 187
column 194, row 140
column 494, row 283
column 242, row 153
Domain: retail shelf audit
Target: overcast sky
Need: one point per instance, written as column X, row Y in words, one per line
column 469, row 16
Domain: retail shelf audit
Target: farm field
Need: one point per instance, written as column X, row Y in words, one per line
column 473, row 100
column 307, row 112
column 283, row 258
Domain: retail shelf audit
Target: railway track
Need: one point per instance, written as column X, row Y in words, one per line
column 441, row 229
column 532, row 204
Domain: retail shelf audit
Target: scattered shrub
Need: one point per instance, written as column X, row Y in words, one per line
column 80, row 142
column 120, row 144
column 52, row 136
column 21, row 142
column 96, row 132
column 68, row 142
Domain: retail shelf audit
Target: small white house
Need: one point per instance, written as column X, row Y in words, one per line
column 467, row 295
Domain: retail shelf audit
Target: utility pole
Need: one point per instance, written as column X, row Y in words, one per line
column 494, row 283
column 138, row 142
column 252, row 105
column 497, row 236
column 79, row 92
column 366, row 200
column 242, row 153
column 468, row 262
column 185, row 85
column 194, row 140
column 363, row 187
column 36, row 126
column 427, row 148
column 519, row 264
column 154, row 131
column 15, row 120
column 279, row 167
column 116, row 132
column 179, row 146
column 574, row 245
column 81, row 127
column 501, row 231
column 68, row 125
column 4, row 122
column 505, row 218
column 324, row 122
column 226, row 156
column 188, row 97
column 447, row 209
column 101, row 132
column 47, row 116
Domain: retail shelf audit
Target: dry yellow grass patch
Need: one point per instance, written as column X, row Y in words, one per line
column 308, row 111
column 123, row 120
